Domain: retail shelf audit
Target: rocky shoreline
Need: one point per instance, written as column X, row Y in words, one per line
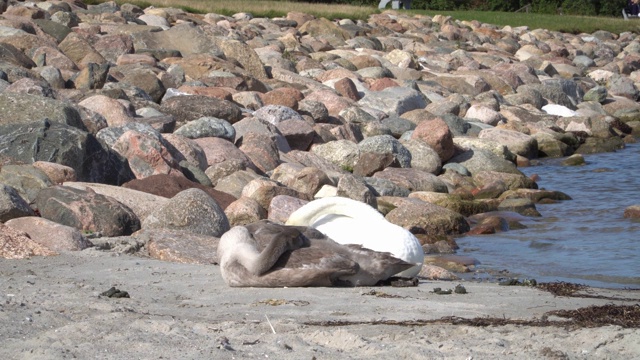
column 154, row 131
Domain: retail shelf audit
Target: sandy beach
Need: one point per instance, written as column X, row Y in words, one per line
column 52, row 308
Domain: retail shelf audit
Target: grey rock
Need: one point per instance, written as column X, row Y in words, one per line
column 597, row 93
column 12, row 205
column 423, row 156
column 191, row 107
column 413, row 179
column 54, row 236
column 394, row 100
column 19, row 108
column 190, row 210
column 476, row 160
column 385, row 187
column 207, row 127
column 86, row 210
column 386, row 144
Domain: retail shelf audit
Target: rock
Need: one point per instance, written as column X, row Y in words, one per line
column 246, row 56
column 27, row 180
column 454, row 202
column 516, row 142
column 305, row 179
column 187, row 149
column 51, row 235
column 477, row 160
column 426, row 218
column 258, row 126
column 385, row 187
column 413, row 179
column 57, row 173
column 179, row 246
column 347, row 88
column 574, row 160
column 12, row 205
column 262, row 150
column 19, row 108
column 263, row 190
column 597, row 93
column 433, row 272
column 394, row 100
column 16, row 244
column 141, row 76
column 86, row 210
column 437, row 135
column 282, row 206
column 244, row 211
column 168, row 186
column 191, row 107
column 112, row 110
column 92, row 76
column 207, row 127
column 147, row 155
column 174, row 38
column 423, row 156
column 386, row 144
column 521, row 206
column 509, row 180
column 191, row 210
column 141, row 203
column 370, row 163
column 342, row 153
column 632, row 212
column 356, row 188
column 58, row 143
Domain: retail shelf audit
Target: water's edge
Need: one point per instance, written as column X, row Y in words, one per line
column 585, row 240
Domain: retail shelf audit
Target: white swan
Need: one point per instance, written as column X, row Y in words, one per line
column 264, row 254
column 349, row 221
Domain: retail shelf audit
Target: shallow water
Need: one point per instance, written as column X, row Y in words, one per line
column 585, row 240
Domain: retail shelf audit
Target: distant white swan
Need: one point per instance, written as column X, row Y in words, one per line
column 349, row 221
column 264, row 254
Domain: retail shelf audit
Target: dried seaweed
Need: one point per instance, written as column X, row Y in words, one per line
column 627, row 316
column 573, row 290
column 561, row 288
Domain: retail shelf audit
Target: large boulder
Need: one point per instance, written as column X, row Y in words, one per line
column 12, row 205
column 65, row 145
column 191, row 210
column 86, row 210
column 52, row 235
column 21, row 108
column 437, row 135
column 394, row 100
column 168, row 186
column 185, row 108
column 425, row 218
column 413, row 179
column 16, row 244
column 26, row 180
column 141, row 203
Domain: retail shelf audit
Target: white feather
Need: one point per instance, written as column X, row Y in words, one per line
column 349, row 221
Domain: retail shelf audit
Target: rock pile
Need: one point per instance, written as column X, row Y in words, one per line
column 155, row 128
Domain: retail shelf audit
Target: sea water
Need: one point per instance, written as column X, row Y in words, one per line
column 585, row 240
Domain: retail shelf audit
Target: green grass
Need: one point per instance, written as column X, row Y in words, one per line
column 563, row 23
column 276, row 8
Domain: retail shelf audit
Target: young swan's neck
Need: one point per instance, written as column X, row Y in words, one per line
column 238, row 245
column 310, row 213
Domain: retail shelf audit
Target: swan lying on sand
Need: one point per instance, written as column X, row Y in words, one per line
column 348, row 221
column 265, row 254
